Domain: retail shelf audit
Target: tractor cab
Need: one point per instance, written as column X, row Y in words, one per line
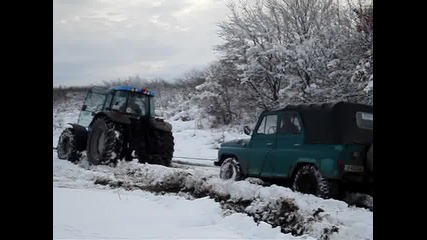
column 134, row 102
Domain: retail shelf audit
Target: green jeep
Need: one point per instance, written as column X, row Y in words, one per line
column 323, row 149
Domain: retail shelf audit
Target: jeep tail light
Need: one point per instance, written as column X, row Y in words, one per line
column 341, row 163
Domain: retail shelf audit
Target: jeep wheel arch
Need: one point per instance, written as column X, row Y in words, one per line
column 308, row 180
column 225, row 156
column 298, row 165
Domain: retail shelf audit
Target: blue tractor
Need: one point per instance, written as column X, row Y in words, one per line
column 118, row 123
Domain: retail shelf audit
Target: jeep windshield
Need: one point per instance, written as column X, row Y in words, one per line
column 132, row 103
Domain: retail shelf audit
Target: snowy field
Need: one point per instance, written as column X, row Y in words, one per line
column 188, row 201
column 112, row 214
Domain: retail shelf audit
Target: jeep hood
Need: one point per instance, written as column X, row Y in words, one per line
column 236, row 143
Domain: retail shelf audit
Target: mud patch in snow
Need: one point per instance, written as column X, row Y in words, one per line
column 281, row 211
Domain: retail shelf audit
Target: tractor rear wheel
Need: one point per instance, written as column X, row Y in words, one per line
column 105, row 142
column 160, row 151
column 167, row 148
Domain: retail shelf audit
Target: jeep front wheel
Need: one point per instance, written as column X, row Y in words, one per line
column 230, row 169
column 309, row 180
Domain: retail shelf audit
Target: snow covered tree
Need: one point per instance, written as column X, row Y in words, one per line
column 292, row 51
column 221, row 95
column 251, row 44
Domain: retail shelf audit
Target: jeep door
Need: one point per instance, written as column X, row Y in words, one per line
column 262, row 142
column 289, row 146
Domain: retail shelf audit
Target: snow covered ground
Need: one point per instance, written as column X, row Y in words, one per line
column 112, row 214
column 142, row 201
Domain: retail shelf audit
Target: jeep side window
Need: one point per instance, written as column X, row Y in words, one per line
column 268, row 125
column 296, row 128
column 290, row 124
column 365, row 120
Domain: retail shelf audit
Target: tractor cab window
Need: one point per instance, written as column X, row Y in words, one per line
column 152, row 104
column 136, row 104
column 119, row 101
column 93, row 104
column 95, row 100
column 130, row 102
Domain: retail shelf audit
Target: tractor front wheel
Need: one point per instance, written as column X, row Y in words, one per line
column 67, row 146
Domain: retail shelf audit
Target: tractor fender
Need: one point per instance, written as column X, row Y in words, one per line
column 115, row 117
column 160, row 124
column 81, row 134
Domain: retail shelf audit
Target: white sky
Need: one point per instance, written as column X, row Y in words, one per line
column 97, row 40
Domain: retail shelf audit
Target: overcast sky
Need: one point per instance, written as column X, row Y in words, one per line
column 97, row 40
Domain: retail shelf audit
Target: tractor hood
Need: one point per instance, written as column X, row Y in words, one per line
column 236, row 143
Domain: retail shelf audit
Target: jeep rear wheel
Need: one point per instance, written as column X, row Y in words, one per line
column 309, row 180
column 104, row 142
column 230, row 169
column 67, row 146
